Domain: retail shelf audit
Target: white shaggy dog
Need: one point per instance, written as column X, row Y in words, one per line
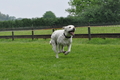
column 62, row 38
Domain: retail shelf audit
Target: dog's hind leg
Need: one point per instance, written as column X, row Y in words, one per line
column 57, row 55
column 61, row 49
column 54, row 47
column 58, row 50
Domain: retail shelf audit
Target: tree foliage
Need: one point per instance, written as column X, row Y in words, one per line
column 49, row 14
column 50, row 22
column 4, row 17
column 82, row 13
column 41, row 22
column 95, row 10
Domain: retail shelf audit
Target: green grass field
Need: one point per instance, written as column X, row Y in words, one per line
column 24, row 59
column 79, row 30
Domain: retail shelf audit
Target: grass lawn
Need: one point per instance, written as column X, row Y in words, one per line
column 103, row 29
column 79, row 30
column 24, row 59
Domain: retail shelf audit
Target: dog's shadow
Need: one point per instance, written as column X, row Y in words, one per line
column 62, row 55
column 66, row 57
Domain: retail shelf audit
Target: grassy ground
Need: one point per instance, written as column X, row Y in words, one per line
column 79, row 30
column 105, row 29
column 24, row 59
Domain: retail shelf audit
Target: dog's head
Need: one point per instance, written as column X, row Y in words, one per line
column 70, row 29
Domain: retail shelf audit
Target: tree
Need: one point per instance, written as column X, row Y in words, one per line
column 78, row 6
column 96, row 10
column 26, row 22
column 4, row 17
column 49, row 14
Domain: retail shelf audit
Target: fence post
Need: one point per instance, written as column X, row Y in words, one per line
column 12, row 35
column 53, row 30
column 32, row 34
column 89, row 33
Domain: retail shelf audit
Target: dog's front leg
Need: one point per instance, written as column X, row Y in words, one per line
column 61, row 49
column 69, row 49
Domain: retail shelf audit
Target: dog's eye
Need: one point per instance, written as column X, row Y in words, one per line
column 69, row 27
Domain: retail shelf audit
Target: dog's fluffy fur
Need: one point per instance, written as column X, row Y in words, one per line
column 62, row 38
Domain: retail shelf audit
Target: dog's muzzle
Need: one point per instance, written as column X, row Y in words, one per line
column 72, row 31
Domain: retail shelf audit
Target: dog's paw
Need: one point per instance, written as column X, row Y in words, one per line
column 57, row 56
column 60, row 52
column 66, row 52
column 63, row 51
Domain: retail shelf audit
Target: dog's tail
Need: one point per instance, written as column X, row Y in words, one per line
column 50, row 42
